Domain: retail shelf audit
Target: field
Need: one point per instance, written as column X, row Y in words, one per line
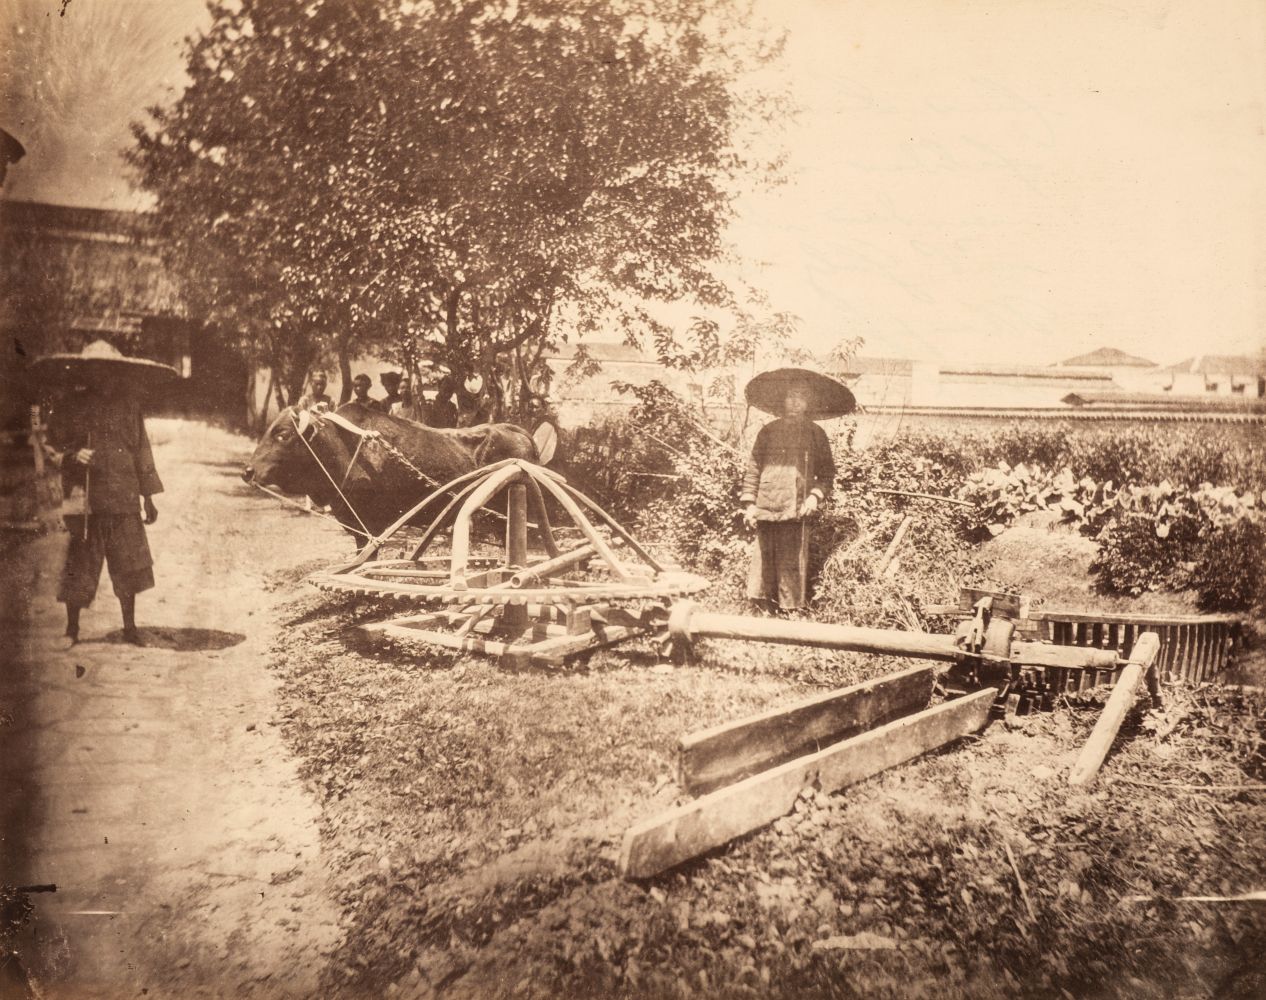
column 452, row 827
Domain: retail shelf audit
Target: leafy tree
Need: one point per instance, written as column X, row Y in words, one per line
column 454, row 182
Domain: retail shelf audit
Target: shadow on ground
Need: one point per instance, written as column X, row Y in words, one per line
column 183, row 639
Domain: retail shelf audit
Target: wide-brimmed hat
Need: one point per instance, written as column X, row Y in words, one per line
column 827, row 397
column 100, row 363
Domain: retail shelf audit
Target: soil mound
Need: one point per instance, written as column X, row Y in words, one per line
column 1052, row 561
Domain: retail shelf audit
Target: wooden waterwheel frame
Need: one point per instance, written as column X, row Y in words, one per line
column 515, row 607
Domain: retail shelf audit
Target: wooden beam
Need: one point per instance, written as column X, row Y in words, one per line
column 724, row 754
column 1096, row 749
column 669, row 839
column 1041, row 654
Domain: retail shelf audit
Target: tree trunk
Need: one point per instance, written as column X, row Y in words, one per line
column 257, row 411
column 344, row 373
column 295, row 379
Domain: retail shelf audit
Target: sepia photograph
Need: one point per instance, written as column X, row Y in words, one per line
column 646, row 499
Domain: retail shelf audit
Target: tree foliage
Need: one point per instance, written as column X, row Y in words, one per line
column 453, row 181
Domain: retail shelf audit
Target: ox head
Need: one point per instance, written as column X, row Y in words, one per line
column 282, row 459
column 302, row 451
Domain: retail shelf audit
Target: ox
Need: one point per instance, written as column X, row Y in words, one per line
column 378, row 486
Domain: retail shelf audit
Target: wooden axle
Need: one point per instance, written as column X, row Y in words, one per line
column 685, row 624
column 540, row 572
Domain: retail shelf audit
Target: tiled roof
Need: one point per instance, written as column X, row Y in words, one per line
column 1109, row 357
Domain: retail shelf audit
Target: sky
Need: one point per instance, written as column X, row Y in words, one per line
column 1015, row 182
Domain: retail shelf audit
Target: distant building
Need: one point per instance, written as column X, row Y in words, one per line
column 1128, row 371
column 1217, row 375
column 898, row 384
column 72, row 275
column 1107, row 357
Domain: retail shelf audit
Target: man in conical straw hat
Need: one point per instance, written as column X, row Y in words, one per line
column 790, row 472
column 96, row 436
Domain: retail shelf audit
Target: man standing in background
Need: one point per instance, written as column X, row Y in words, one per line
column 360, row 392
column 316, row 394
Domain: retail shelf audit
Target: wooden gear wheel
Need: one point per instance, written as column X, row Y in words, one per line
column 522, row 608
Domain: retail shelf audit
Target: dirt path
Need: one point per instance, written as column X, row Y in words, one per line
column 152, row 785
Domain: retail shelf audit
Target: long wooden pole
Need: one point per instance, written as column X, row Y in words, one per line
column 87, row 483
column 686, row 624
column 802, row 633
column 1096, row 749
column 891, row 550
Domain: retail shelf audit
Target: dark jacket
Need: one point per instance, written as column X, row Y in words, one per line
column 122, row 467
column 790, row 459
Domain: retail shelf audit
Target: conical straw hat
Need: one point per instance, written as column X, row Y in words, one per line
column 827, row 397
column 101, row 362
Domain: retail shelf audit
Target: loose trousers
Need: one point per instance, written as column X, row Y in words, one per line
column 119, row 541
column 780, row 564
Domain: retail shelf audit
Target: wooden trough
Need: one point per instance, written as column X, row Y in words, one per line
column 748, row 773
column 1193, row 648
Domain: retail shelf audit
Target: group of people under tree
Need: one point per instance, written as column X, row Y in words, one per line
column 455, row 402
column 97, row 438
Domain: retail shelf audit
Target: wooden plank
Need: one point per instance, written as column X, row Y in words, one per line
column 1096, row 749
column 1182, row 653
column 414, row 621
column 1221, row 632
column 669, row 839
column 1165, row 658
column 554, row 651
column 724, row 754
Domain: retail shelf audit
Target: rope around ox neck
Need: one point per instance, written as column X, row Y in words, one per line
column 338, row 489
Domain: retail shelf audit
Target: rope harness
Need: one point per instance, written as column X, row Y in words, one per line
column 303, row 419
column 307, row 510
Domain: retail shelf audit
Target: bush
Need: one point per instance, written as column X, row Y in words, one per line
column 1230, row 567
column 1133, row 559
column 1154, row 537
column 1144, row 493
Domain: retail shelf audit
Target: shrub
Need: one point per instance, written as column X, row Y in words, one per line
column 1230, row 567
column 1133, row 559
column 1145, row 493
